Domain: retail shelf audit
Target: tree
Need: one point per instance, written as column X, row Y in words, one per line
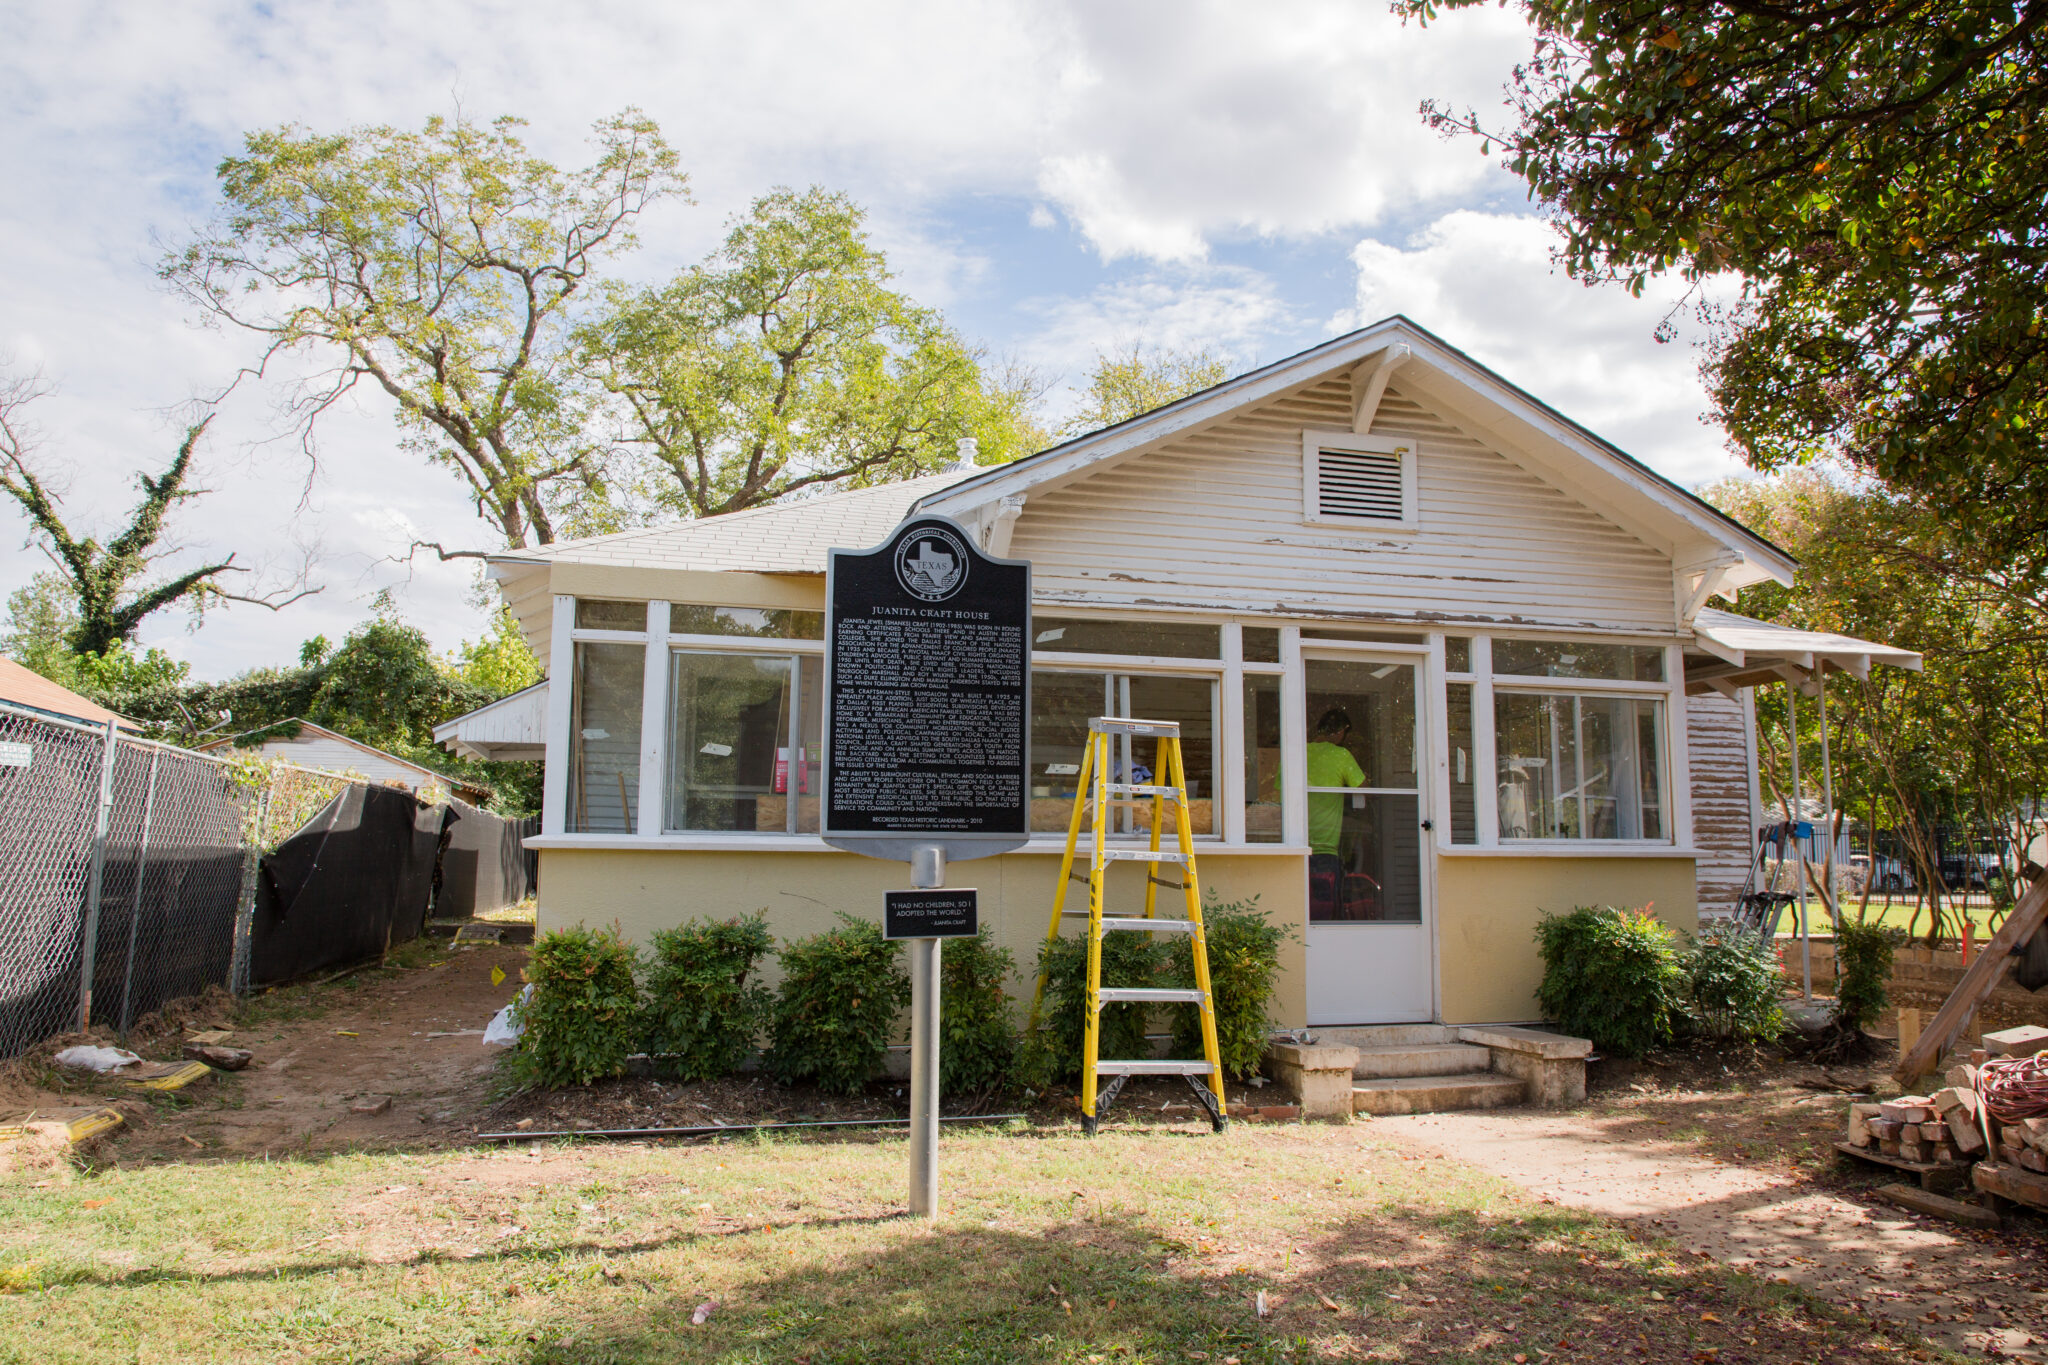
column 501, row 662
column 786, row 361
column 1131, row 380
column 1874, row 174
column 443, row 267
column 107, row 604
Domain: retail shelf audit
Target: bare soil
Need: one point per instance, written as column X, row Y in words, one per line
column 1732, row 1155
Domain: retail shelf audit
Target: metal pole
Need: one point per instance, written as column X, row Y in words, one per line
column 1799, row 854
column 1827, row 784
column 245, row 900
column 88, row 957
column 927, row 869
column 135, row 900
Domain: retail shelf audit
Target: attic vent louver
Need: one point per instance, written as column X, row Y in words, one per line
column 1360, row 483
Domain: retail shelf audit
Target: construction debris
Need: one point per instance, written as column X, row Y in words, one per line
column 224, row 1058
column 1940, row 1206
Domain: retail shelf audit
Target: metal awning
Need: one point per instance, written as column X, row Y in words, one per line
column 1743, row 652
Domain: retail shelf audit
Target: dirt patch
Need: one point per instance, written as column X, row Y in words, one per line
column 1731, row 1155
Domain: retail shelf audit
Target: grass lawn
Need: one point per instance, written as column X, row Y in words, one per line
column 1147, row 1244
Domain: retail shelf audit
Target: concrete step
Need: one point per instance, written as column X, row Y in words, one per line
column 1385, row 1035
column 1421, row 1059
column 1434, row 1094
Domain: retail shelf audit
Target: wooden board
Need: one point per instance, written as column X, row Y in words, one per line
column 1978, row 982
column 2010, row 1182
column 176, row 1079
column 1931, row 1173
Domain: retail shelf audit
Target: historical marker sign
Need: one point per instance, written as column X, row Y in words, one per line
column 928, row 695
column 949, row 912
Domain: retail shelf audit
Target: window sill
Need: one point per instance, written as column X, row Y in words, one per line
column 1561, row 848
column 811, row 843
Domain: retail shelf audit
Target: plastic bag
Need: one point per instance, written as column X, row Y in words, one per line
column 504, row 1030
column 96, row 1058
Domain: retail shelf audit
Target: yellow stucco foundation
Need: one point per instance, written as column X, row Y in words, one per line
column 1487, row 907
column 802, row 892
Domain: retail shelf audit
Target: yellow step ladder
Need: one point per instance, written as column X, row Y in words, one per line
column 1096, row 795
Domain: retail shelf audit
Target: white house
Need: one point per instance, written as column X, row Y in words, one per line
column 1442, row 660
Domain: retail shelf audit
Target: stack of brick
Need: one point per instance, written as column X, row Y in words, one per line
column 1942, row 1127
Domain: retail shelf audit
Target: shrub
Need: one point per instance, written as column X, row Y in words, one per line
column 836, row 1009
column 1244, row 970
column 977, row 1040
column 1863, row 968
column 702, row 1016
column 1051, row 1055
column 1732, row 984
column 1612, row 976
column 581, row 1020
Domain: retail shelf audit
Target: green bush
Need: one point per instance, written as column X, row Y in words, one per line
column 977, row 1038
column 702, row 1016
column 1244, row 971
column 582, row 1018
column 1732, row 983
column 835, row 1012
column 1863, row 967
column 1610, row 975
column 1051, row 1054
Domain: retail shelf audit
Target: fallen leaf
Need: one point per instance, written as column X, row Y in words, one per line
column 1328, row 1302
column 703, row 1313
column 497, row 976
column 95, row 1203
column 1708, row 1317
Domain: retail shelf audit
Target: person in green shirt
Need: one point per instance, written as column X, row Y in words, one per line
column 1328, row 763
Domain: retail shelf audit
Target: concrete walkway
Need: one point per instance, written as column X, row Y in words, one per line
column 1969, row 1294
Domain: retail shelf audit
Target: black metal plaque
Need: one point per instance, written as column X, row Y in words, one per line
column 947, row 913
column 928, row 694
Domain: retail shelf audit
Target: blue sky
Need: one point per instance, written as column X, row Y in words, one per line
column 1058, row 177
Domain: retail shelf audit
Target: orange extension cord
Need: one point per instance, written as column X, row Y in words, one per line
column 2014, row 1088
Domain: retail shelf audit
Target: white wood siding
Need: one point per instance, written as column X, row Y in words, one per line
column 1214, row 520
column 333, row 756
column 1724, row 815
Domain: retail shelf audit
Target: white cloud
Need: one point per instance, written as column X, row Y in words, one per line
column 1486, row 284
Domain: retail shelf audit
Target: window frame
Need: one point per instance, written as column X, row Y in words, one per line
column 1314, row 443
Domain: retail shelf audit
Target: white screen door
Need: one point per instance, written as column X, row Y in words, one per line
column 1369, row 920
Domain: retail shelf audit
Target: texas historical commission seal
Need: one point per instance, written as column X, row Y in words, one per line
column 931, row 565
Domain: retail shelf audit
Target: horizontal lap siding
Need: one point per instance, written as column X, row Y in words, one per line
column 1215, row 520
column 1724, row 812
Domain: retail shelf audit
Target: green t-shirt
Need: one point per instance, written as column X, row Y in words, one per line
column 1329, row 765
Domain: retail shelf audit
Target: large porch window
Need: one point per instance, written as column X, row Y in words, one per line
column 1579, row 766
column 744, row 749
column 1063, row 702
column 604, row 744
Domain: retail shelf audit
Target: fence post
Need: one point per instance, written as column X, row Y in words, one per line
column 245, row 903
column 90, row 952
column 135, row 905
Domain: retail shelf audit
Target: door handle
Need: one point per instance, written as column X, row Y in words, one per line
column 1429, row 824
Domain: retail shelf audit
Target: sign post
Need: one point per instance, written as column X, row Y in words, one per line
column 927, row 750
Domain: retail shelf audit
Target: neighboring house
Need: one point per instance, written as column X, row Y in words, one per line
column 25, row 687
column 1508, row 613
column 511, row 729
column 317, row 747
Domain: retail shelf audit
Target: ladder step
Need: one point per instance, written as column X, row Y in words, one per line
column 1143, row 789
column 1149, row 995
column 1196, row 1067
column 1142, row 855
column 1143, row 926
column 1124, row 725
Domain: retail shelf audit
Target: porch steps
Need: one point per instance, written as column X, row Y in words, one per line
column 1423, row 1069
column 1434, row 1094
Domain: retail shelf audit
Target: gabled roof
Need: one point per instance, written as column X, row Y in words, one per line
column 1528, row 430
column 784, row 537
column 276, row 732
column 25, row 687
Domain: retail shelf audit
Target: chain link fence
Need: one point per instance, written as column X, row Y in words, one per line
column 128, row 871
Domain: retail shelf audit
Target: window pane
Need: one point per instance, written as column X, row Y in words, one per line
column 1160, row 639
column 1191, row 702
column 1261, row 759
column 729, row 718
column 1375, row 873
column 1391, row 635
column 771, row 623
column 1061, row 706
column 596, row 615
column 1457, row 654
column 1579, row 767
column 1261, row 645
column 1464, row 820
column 1361, row 720
column 604, row 739
column 1578, row 659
